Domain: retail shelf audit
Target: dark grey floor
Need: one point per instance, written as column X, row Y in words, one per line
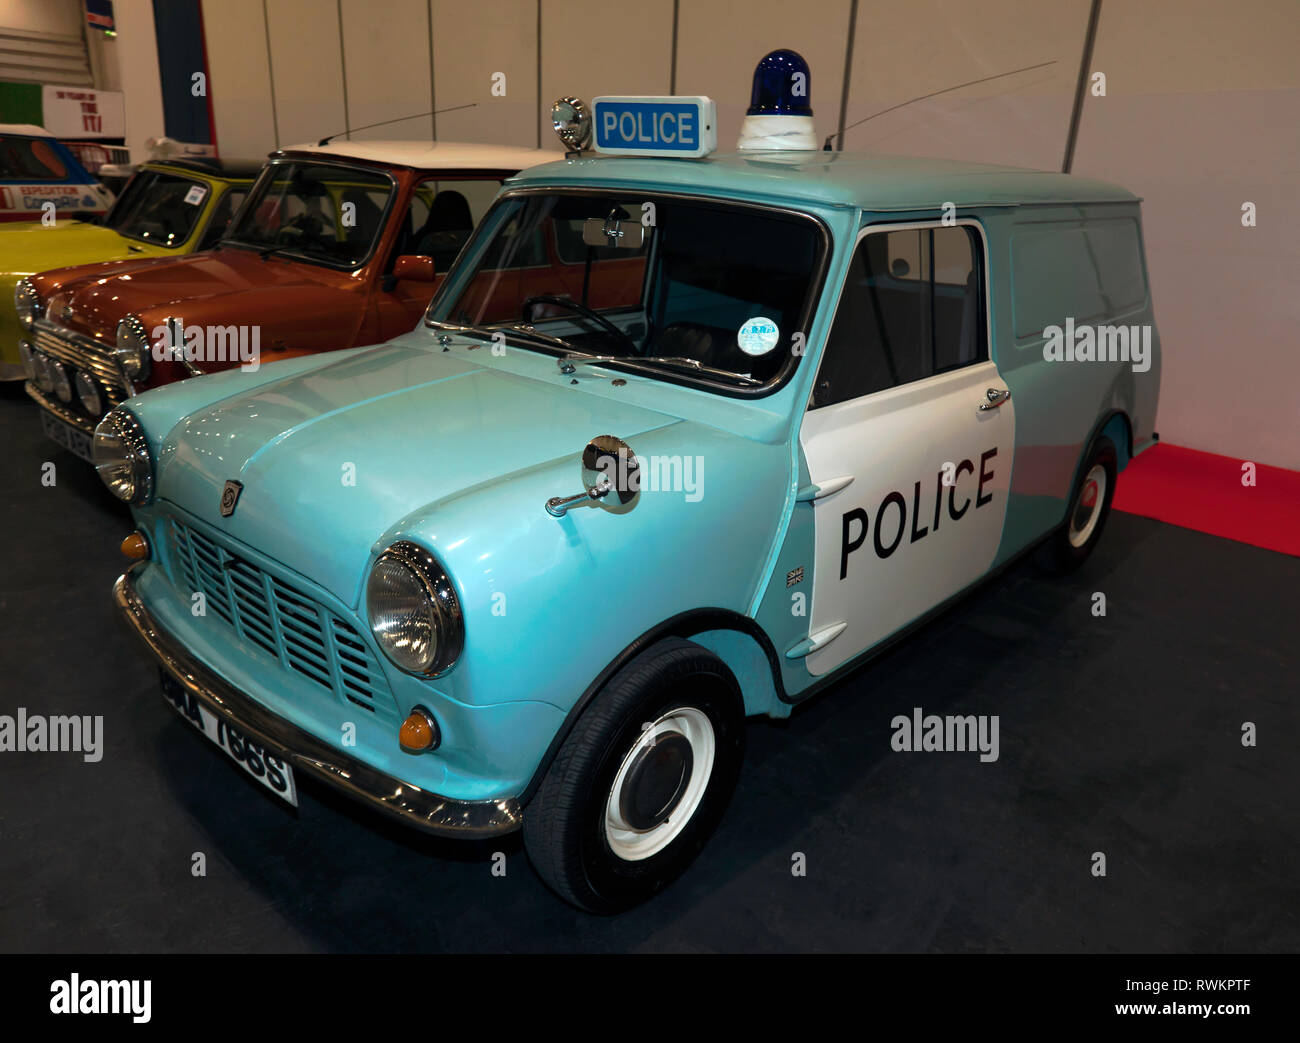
column 1118, row 734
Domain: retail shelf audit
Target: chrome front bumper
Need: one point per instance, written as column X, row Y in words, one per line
column 56, row 408
column 425, row 811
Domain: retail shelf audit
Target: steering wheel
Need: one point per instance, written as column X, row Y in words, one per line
column 571, row 305
column 303, row 228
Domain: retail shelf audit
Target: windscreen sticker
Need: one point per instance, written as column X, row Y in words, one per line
column 195, row 195
column 758, row 336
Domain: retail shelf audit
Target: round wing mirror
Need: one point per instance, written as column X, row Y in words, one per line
column 610, row 459
column 611, row 475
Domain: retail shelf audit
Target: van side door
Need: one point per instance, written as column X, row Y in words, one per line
column 908, row 438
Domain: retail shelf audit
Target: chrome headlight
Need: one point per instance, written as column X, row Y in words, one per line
column 122, row 459
column 28, row 303
column 29, row 359
column 62, row 385
column 132, row 348
column 88, row 391
column 44, row 373
column 413, row 610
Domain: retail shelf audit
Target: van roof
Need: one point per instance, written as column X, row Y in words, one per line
column 871, row 181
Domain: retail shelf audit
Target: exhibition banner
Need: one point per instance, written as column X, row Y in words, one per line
column 80, row 113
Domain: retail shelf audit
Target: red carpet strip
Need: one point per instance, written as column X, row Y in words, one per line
column 1205, row 492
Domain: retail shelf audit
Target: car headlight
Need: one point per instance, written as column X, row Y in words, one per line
column 88, row 391
column 62, row 385
column 132, row 348
column 28, row 303
column 44, row 373
column 413, row 610
column 121, row 454
column 29, row 359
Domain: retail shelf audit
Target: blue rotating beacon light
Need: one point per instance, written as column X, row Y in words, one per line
column 780, row 115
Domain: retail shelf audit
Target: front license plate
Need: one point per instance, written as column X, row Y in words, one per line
column 66, row 435
column 267, row 768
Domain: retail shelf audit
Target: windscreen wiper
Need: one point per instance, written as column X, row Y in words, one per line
column 519, row 331
column 568, row 363
column 529, row 333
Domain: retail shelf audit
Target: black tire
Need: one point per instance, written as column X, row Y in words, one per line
column 565, row 823
column 1058, row 555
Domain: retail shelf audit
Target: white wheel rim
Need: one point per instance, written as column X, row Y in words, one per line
column 1086, row 510
column 694, row 726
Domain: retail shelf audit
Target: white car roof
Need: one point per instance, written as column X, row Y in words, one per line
column 30, row 129
column 432, row 155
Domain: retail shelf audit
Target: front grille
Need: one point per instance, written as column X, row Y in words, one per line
column 280, row 619
column 81, row 353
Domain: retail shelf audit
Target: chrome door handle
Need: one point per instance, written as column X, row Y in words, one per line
column 996, row 397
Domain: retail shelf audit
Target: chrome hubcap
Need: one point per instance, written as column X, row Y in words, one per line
column 1087, row 508
column 660, row 783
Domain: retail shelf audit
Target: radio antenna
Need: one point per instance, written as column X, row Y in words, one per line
column 400, row 119
column 933, row 94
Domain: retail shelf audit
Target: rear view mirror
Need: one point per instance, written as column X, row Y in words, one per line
column 608, row 231
column 416, row 267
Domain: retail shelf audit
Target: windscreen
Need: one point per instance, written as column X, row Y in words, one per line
column 724, row 285
column 320, row 212
column 159, row 208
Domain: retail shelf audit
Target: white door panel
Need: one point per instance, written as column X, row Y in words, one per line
column 922, row 516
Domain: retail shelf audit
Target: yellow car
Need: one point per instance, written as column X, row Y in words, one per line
column 170, row 207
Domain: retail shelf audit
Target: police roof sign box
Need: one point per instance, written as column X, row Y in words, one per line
column 646, row 126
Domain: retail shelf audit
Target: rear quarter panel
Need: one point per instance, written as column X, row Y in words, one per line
column 1060, row 405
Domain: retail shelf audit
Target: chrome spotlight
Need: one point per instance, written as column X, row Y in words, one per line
column 571, row 121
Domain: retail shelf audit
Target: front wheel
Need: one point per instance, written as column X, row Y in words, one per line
column 642, row 780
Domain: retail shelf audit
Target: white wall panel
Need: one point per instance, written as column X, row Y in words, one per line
column 307, row 67
column 471, row 42
column 240, row 78
column 386, row 54
column 593, row 47
column 905, row 51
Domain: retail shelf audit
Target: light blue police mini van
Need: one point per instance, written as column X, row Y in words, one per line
column 683, row 438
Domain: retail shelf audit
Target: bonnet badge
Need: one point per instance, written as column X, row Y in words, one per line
column 230, row 497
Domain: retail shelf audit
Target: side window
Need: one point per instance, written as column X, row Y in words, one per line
column 912, row 306
column 219, row 222
column 441, row 216
column 904, row 251
column 30, row 159
column 1085, row 271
